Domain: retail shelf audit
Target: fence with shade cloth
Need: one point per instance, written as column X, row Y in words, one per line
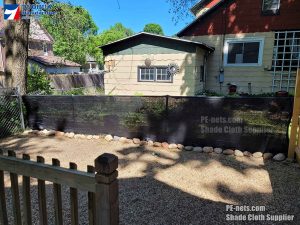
column 247, row 123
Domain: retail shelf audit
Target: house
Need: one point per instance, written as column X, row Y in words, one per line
column 248, row 46
column 91, row 65
column 150, row 64
column 40, row 51
column 257, row 43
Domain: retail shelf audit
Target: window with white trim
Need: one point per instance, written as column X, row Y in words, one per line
column 154, row 74
column 271, row 6
column 243, row 52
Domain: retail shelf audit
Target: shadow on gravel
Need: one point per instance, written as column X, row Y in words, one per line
column 147, row 200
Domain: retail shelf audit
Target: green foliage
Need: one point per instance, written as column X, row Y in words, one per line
column 153, row 28
column 38, row 81
column 133, row 119
column 114, row 33
column 77, row 91
column 72, row 28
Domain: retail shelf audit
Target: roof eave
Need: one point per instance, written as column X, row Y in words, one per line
column 200, row 17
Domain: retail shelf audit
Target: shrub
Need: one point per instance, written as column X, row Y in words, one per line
column 38, row 81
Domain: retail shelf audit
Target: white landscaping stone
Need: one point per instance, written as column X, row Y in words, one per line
column 96, row 137
column 157, row 144
column 123, row 139
column 208, row 149
column 89, row 137
column 247, row 154
column 279, row 157
column 180, row 146
column 188, row 148
column 71, row 135
column 136, row 141
column 197, row 149
column 218, row 150
column 257, row 154
column 238, row 153
column 77, row 136
column 172, row 146
column 228, row 152
column 116, row 138
column 150, row 143
column 108, row 137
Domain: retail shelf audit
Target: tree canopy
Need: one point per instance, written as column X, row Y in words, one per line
column 181, row 8
column 154, row 28
column 114, row 33
column 76, row 35
column 71, row 27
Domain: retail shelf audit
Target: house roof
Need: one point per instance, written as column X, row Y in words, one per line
column 159, row 37
column 36, row 30
column 53, row 61
column 212, row 6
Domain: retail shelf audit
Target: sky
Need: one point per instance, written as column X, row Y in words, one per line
column 133, row 14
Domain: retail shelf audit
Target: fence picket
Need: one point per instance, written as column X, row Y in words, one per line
column 91, row 200
column 74, row 200
column 15, row 194
column 3, row 210
column 26, row 197
column 42, row 197
column 57, row 198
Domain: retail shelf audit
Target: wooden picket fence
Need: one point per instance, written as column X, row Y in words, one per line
column 100, row 182
column 294, row 145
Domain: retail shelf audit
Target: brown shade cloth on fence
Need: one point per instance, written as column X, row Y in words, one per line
column 252, row 124
column 69, row 81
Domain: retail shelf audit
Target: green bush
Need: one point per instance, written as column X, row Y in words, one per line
column 38, row 81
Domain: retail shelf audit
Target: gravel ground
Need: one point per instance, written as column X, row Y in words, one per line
column 169, row 187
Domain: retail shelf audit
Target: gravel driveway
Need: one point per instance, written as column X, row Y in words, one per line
column 169, row 187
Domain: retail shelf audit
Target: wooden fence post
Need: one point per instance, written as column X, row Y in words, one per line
column 295, row 118
column 107, row 190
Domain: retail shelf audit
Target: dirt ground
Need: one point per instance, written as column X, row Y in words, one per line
column 169, row 187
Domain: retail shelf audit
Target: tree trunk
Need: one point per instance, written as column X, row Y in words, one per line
column 9, row 29
column 16, row 39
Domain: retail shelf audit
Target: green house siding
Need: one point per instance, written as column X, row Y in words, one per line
column 148, row 45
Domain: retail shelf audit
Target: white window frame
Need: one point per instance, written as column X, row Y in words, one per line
column 155, row 74
column 261, row 40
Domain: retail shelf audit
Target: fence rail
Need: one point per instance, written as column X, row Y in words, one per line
column 99, row 181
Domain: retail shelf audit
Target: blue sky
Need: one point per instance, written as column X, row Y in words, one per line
column 133, row 14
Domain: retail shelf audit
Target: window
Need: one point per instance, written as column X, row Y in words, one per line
column 271, row 7
column 154, row 74
column 243, row 52
column 45, row 48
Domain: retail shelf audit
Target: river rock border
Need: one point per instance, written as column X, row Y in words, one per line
column 151, row 143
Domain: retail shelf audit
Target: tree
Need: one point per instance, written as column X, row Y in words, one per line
column 16, row 50
column 71, row 27
column 114, row 33
column 153, row 28
column 181, row 8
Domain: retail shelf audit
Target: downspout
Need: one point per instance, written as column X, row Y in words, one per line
column 221, row 77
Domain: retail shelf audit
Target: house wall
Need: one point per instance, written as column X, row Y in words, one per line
column 245, row 16
column 55, row 70
column 259, row 76
column 123, row 78
column 36, row 48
